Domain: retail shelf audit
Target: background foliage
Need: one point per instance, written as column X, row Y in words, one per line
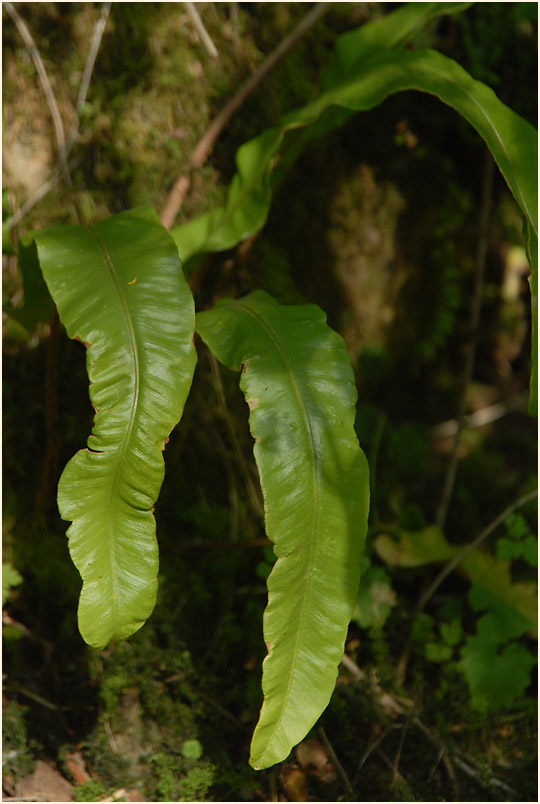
column 377, row 223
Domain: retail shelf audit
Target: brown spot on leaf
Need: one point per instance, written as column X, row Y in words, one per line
column 84, row 343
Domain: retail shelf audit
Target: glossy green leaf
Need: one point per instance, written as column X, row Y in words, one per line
column 119, row 288
column 511, row 140
column 388, row 31
column 361, row 83
column 299, row 385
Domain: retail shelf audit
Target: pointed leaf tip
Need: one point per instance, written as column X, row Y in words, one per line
column 314, row 478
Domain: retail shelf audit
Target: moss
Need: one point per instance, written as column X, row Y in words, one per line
column 196, row 783
column 92, row 790
column 17, row 751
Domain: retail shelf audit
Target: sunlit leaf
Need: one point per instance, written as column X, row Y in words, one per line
column 299, row 385
column 388, row 31
column 119, row 289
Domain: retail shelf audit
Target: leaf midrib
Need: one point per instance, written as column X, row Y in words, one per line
column 115, row 280
column 274, row 336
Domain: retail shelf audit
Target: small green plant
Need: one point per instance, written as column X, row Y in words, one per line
column 166, row 772
column 92, row 790
column 10, row 579
column 519, row 542
column 119, row 287
column 496, row 666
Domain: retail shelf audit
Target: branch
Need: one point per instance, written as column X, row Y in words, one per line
column 204, row 147
column 81, row 98
column 474, row 544
column 474, row 322
column 45, row 83
column 201, row 30
column 88, row 69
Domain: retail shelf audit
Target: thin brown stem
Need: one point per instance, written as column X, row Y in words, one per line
column 47, row 89
column 474, row 322
column 50, row 460
column 205, row 145
column 201, row 30
column 335, row 761
column 395, row 765
column 442, row 755
column 95, row 43
column 474, row 544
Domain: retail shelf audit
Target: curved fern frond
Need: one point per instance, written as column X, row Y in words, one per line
column 299, row 385
column 119, row 288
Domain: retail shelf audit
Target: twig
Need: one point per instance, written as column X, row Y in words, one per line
column 201, row 30
column 234, row 25
column 88, row 69
column 372, row 745
column 21, row 690
column 203, row 148
column 481, row 417
column 272, row 783
column 48, row 185
column 45, row 83
column 50, row 460
column 395, row 765
column 390, row 704
column 490, row 781
column 474, row 321
column 475, row 543
column 202, row 694
column 335, row 761
column 443, row 754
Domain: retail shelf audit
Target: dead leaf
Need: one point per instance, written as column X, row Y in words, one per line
column 294, row 782
column 77, row 767
column 313, row 757
column 44, row 784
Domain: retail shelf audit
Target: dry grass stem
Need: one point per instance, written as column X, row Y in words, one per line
column 47, row 89
column 205, row 145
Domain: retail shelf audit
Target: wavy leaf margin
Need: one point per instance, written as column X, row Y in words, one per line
column 119, row 288
column 299, row 385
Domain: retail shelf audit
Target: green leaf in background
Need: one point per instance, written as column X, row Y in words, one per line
column 360, row 81
column 299, row 385
column 496, row 675
column 10, row 579
column 119, row 289
column 7, row 217
column 38, row 306
column 389, row 31
column 511, row 140
column 418, row 548
column 375, row 598
column 414, row 548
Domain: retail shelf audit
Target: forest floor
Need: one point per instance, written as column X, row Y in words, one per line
column 378, row 224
